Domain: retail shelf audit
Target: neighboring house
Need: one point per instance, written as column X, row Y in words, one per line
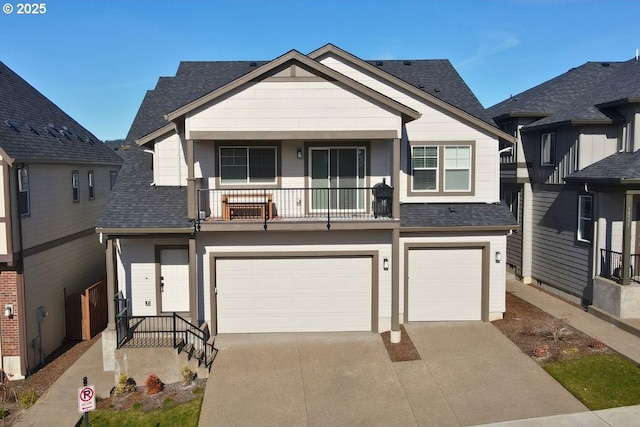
column 259, row 203
column 573, row 182
column 55, row 178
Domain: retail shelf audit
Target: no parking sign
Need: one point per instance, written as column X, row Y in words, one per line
column 86, row 398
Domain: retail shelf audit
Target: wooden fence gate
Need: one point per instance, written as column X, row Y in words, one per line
column 86, row 313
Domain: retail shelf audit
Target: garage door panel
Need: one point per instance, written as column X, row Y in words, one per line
column 289, row 295
column 445, row 284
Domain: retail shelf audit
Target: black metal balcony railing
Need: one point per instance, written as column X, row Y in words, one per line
column 611, row 265
column 286, row 204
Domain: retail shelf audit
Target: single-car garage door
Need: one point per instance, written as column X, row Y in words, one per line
column 302, row 294
column 445, row 284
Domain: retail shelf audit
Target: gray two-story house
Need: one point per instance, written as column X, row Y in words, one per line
column 572, row 182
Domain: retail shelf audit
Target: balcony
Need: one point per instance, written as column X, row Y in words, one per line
column 269, row 206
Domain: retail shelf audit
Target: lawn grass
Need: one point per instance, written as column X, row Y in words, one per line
column 599, row 381
column 186, row 415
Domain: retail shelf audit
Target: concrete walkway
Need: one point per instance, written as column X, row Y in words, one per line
column 59, row 406
column 626, row 343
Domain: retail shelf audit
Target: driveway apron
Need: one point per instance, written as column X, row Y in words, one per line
column 469, row 374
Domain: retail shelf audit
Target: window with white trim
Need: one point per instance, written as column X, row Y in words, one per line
column 457, row 168
column 548, row 149
column 75, row 178
column 585, row 218
column 92, row 187
column 247, row 165
column 424, row 168
column 23, row 191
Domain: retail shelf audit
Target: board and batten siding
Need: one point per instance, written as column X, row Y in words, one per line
column 292, row 106
column 302, row 244
column 71, row 268
column 558, row 259
column 595, row 144
column 170, row 161
column 436, row 126
column 497, row 275
column 53, row 213
column 136, row 272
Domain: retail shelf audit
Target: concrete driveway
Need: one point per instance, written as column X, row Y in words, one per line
column 469, row 374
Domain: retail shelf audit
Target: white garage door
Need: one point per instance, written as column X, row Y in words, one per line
column 445, row 284
column 293, row 294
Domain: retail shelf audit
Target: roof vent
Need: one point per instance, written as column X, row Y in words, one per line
column 407, row 62
column 605, row 64
column 11, row 125
column 253, row 64
column 421, row 86
column 379, row 63
column 32, row 129
column 452, row 208
column 436, row 90
column 52, row 131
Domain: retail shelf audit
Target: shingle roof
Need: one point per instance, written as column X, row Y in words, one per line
column 619, row 166
column 196, row 79
column 456, row 215
column 134, row 203
column 576, row 94
column 32, row 128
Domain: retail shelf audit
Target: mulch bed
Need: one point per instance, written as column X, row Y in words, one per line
column 545, row 338
column 404, row 351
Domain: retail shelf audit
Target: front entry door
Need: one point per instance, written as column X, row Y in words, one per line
column 337, row 178
column 174, row 280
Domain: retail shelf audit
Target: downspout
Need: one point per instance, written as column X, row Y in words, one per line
column 153, row 162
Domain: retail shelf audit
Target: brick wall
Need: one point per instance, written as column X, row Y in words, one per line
column 9, row 326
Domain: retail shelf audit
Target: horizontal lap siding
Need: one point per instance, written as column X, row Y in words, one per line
column 558, row 260
column 437, row 126
column 69, row 268
column 293, row 105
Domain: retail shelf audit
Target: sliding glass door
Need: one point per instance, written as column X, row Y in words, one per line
column 337, row 178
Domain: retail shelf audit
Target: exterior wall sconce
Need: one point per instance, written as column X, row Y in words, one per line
column 8, row 311
column 498, row 256
column 299, row 153
column 385, row 264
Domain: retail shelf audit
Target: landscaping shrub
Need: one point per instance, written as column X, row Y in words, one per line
column 153, row 384
column 28, row 398
column 188, row 374
column 125, row 385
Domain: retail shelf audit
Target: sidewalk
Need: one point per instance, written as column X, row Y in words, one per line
column 616, row 338
column 59, row 407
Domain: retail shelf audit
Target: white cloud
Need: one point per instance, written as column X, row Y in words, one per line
column 490, row 43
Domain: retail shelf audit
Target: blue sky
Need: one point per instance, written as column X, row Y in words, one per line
column 96, row 58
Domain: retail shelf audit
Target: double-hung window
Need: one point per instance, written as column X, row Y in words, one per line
column 92, row 187
column 247, row 165
column 585, row 218
column 23, row 191
column 457, row 168
column 75, row 178
column 548, row 149
column 425, row 168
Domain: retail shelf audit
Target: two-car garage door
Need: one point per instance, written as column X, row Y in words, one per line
column 445, row 284
column 294, row 294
